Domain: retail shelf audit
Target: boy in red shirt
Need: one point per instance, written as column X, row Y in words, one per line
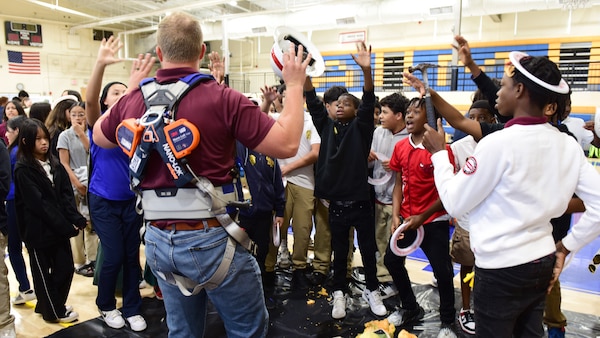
column 416, row 202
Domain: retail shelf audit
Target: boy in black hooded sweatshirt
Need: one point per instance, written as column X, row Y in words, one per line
column 341, row 177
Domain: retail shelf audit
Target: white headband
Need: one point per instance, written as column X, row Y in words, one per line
column 63, row 98
column 515, row 58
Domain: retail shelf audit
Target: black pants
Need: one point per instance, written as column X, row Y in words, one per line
column 52, row 272
column 258, row 227
column 342, row 216
column 436, row 247
column 509, row 302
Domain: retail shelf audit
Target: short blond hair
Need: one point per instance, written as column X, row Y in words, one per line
column 179, row 37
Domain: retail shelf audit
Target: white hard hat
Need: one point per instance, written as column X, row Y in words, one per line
column 283, row 37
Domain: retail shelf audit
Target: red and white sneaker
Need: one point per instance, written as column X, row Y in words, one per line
column 466, row 318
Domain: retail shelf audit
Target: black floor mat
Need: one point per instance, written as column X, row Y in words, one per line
column 296, row 315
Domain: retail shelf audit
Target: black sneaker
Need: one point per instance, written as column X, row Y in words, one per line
column 299, row 280
column 270, row 302
column 86, row 270
column 403, row 316
column 268, row 280
column 317, row 278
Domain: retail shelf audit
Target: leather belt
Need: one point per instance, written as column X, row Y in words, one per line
column 182, row 226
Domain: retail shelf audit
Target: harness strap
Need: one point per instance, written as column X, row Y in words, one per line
column 164, row 98
column 161, row 102
column 180, row 174
column 235, row 231
column 186, row 203
column 186, row 284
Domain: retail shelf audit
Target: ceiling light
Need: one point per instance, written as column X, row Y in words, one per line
column 573, row 4
column 440, row 10
column 346, row 21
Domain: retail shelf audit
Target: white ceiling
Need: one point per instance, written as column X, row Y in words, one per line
column 238, row 18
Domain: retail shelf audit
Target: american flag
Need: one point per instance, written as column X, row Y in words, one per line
column 23, row 62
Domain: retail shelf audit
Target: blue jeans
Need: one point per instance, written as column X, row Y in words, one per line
column 509, row 302
column 15, row 247
column 196, row 255
column 118, row 227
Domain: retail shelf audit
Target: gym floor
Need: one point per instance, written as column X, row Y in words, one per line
column 580, row 301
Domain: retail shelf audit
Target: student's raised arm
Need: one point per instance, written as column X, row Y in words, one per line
column 464, row 54
column 363, row 59
column 451, row 114
column 283, row 138
column 217, row 66
column 106, row 56
column 140, row 69
column 485, row 84
column 269, row 96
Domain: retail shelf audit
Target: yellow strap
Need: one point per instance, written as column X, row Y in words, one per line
column 470, row 278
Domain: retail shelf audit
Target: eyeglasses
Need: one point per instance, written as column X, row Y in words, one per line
column 10, row 130
column 78, row 115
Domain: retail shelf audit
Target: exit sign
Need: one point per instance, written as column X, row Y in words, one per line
column 352, row 37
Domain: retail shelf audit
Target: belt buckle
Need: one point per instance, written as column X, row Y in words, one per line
column 347, row 204
column 253, row 248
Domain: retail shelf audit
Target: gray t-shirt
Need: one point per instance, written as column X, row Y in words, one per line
column 69, row 140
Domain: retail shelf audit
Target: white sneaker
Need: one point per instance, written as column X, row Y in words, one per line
column 70, row 316
column 403, row 316
column 395, row 318
column 466, row 318
column 113, row 318
column 23, row 297
column 339, row 305
column 8, row 332
column 447, row 331
column 137, row 323
column 373, row 298
column 387, row 290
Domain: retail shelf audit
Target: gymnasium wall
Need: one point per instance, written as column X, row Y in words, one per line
column 67, row 59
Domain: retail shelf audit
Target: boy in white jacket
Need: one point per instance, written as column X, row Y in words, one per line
column 512, row 186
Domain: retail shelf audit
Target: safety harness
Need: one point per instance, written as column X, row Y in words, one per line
column 159, row 130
